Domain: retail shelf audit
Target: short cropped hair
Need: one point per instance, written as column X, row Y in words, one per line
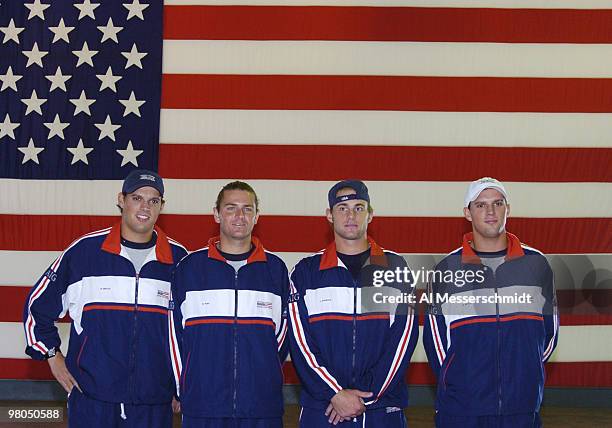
column 237, row 185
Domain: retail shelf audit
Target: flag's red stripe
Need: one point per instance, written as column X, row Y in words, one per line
column 310, row 234
column 310, row 92
column 387, row 24
column 591, row 306
column 410, row 163
column 580, row 374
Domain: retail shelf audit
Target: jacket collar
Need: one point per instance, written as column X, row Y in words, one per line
column 163, row 251
column 330, row 258
column 468, row 255
column 258, row 255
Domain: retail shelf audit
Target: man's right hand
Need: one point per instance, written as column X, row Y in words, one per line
column 348, row 403
column 61, row 373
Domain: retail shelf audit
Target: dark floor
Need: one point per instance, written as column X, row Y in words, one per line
column 418, row 417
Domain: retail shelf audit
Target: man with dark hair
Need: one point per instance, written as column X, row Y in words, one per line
column 488, row 345
column 230, row 322
column 351, row 354
column 115, row 284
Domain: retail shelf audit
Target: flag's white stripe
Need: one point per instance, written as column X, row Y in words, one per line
column 503, row 4
column 307, row 198
column 387, row 58
column 385, row 128
column 576, row 343
column 572, row 271
column 14, row 341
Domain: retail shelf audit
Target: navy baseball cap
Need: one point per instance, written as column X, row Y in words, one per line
column 361, row 192
column 143, row 178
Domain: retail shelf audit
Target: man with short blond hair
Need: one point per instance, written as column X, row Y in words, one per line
column 230, row 322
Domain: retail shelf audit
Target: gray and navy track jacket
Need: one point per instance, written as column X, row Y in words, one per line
column 488, row 356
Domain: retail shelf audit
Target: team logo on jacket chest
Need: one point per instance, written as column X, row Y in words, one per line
column 163, row 294
column 264, row 305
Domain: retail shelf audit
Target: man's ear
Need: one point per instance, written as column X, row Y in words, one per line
column 328, row 214
column 120, row 200
column 467, row 214
column 216, row 215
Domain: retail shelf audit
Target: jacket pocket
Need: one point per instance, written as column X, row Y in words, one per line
column 184, row 378
column 450, row 361
column 78, row 360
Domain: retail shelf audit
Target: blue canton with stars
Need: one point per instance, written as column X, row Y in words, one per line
column 80, row 88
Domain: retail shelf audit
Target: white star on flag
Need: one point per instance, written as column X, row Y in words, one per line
column 82, row 104
column 37, row 9
column 58, row 80
column 86, row 9
column 33, row 103
column 109, row 31
column 129, row 154
column 85, row 55
column 79, row 153
column 107, row 129
column 132, row 105
column 30, row 153
column 7, row 127
column 11, row 32
column 134, row 57
column 56, row 128
column 9, row 80
column 135, row 9
column 35, row 56
column 61, row 32
column 108, row 80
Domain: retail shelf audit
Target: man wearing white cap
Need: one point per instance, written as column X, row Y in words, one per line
column 492, row 322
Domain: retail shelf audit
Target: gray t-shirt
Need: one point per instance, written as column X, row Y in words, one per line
column 138, row 252
column 492, row 260
column 137, row 255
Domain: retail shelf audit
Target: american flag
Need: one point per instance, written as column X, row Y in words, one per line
column 415, row 97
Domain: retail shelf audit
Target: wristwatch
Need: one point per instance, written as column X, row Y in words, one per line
column 50, row 353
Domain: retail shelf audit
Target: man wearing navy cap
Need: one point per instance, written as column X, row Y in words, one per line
column 350, row 354
column 489, row 352
column 115, row 285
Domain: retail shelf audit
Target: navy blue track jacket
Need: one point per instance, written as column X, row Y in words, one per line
column 119, row 350
column 230, row 328
column 337, row 342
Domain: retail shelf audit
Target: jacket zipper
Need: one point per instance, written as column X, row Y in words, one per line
column 133, row 362
column 354, row 331
column 235, row 342
column 497, row 324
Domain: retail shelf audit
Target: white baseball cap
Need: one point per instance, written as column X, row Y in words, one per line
column 476, row 188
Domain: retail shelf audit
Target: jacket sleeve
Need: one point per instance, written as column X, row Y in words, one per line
column 550, row 313
column 281, row 333
column 435, row 330
column 400, row 342
column 175, row 323
column 46, row 303
column 305, row 354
